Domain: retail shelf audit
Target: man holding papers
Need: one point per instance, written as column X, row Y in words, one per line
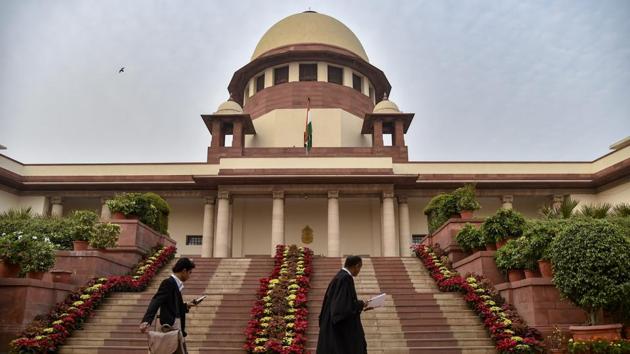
column 340, row 329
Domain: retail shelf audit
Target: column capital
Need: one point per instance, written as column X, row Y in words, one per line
column 223, row 195
column 388, row 194
column 333, row 194
column 402, row 199
column 278, row 194
column 56, row 200
column 104, row 199
column 209, row 200
column 558, row 198
column 507, row 198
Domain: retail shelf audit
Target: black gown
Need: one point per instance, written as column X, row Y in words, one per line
column 340, row 329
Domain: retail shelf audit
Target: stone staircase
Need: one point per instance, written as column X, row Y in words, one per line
column 417, row 317
column 215, row 326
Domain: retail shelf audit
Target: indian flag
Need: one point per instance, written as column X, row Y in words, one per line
column 308, row 128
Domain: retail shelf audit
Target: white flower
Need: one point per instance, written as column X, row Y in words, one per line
column 34, row 237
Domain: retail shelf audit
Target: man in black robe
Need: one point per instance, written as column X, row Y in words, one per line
column 340, row 329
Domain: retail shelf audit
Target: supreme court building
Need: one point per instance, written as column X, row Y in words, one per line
column 355, row 192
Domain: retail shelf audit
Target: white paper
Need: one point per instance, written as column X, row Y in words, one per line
column 377, row 301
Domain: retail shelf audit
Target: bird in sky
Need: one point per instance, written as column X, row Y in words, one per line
column 122, row 70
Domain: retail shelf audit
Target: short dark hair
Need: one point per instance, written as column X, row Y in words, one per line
column 351, row 261
column 183, row 263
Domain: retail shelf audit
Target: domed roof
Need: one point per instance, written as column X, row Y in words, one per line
column 229, row 107
column 309, row 27
column 386, row 106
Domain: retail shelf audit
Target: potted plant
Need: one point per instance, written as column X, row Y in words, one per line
column 591, row 269
column 9, row 255
column 466, row 201
column 82, row 228
column 509, row 259
column 503, row 225
column 138, row 206
column 40, row 257
column 469, row 238
column 539, row 234
column 557, row 341
column 441, row 208
column 104, row 235
column 487, row 240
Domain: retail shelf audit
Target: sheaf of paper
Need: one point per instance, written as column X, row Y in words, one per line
column 377, row 301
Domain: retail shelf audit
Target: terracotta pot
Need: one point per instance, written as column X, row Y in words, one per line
column 515, row 275
column 545, row 268
column 491, row 247
column 61, row 276
column 80, row 245
column 466, row 214
column 501, row 243
column 531, row 273
column 557, row 351
column 35, row 275
column 607, row 332
column 9, row 270
column 626, row 332
column 118, row 215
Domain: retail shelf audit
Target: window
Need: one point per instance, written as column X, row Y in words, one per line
column 335, row 75
column 372, row 93
column 357, row 83
column 260, row 82
column 280, row 75
column 193, row 240
column 308, row 72
column 417, row 238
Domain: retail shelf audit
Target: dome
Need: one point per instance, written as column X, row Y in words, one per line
column 386, row 106
column 229, row 107
column 307, row 28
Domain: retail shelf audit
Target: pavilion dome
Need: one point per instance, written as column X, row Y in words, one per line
column 229, row 107
column 386, row 106
column 309, row 27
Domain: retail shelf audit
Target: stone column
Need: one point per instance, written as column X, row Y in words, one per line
column 221, row 245
column 399, row 133
column 106, row 214
column 237, row 134
column 507, row 201
column 389, row 226
column 277, row 221
column 57, row 207
column 404, row 227
column 377, row 133
column 207, row 236
column 557, row 201
column 218, row 138
column 333, row 224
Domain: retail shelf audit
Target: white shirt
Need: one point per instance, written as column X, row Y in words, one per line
column 180, row 284
column 344, row 268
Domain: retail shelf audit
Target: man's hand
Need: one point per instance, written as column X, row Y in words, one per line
column 191, row 304
column 143, row 327
column 368, row 308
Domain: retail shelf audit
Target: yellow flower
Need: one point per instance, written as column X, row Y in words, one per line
column 77, row 303
column 49, row 330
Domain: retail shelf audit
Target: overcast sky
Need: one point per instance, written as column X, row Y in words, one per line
column 487, row 80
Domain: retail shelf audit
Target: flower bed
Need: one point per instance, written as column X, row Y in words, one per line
column 599, row 346
column 506, row 328
column 46, row 334
column 279, row 316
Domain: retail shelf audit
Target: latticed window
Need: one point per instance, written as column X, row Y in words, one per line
column 335, row 75
column 193, row 240
column 308, row 72
column 260, row 82
column 417, row 238
column 280, row 75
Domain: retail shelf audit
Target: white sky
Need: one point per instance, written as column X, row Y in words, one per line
column 488, row 80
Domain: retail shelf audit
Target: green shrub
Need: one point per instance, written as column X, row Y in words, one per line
column 510, row 256
column 440, row 209
column 466, row 199
column 82, row 224
column 565, row 210
column 621, row 210
column 591, row 264
column 163, row 211
column 539, row 234
column 33, row 253
column 469, row 238
column 105, row 235
column 595, row 211
column 504, row 224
